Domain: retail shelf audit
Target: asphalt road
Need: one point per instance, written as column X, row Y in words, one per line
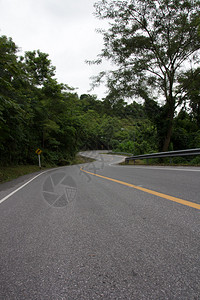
column 102, row 232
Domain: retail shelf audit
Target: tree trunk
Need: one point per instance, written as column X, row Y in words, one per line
column 170, row 112
column 168, row 137
column 169, row 129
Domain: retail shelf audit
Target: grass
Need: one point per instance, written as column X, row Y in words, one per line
column 13, row 172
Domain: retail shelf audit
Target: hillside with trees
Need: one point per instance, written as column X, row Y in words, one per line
column 36, row 111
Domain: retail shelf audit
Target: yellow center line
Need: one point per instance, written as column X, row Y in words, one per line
column 171, row 198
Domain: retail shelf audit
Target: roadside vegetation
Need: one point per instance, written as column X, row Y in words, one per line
column 11, row 172
column 175, row 161
column 8, row 173
column 152, row 105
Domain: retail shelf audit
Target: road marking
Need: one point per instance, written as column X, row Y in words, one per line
column 9, row 195
column 15, row 191
column 171, row 198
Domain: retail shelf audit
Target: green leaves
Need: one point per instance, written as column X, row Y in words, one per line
column 33, row 107
column 189, row 92
column 38, row 67
column 149, row 42
column 37, row 111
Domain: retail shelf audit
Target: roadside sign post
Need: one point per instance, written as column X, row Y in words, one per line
column 38, row 152
column 39, row 161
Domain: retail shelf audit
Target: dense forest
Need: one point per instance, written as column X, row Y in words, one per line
column 36, row 111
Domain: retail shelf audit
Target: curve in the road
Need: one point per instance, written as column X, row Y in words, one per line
column 161, row 195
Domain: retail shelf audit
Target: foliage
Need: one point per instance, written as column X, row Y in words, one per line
column 140, row 138
column 189, row 90
column 36, row 111
column 149, row 41
column 186, row 132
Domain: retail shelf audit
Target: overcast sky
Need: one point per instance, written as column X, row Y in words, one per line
column 65, row 29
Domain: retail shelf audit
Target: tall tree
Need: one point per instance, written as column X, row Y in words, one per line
column 12, row 113
column 149, row 42
column 35, row 110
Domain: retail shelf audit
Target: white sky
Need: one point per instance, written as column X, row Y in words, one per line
column 65, row 29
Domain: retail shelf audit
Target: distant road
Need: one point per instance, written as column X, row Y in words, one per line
column 101, row 231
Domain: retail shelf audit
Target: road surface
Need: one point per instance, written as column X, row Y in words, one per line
column 101, row 231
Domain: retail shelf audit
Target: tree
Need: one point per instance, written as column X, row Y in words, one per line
column 189, row 86
column 90, row 102
column 149, row 41
column 12, row 113
column 38, row 67
column 35, row 110
column 109, row 127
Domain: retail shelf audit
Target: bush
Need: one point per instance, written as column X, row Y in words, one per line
column 179, row 160
column 195, row 161
column 135, row 147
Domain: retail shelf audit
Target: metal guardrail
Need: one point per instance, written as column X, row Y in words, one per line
column 187, row 152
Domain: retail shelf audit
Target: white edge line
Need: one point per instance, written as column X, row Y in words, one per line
column 19, row 188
